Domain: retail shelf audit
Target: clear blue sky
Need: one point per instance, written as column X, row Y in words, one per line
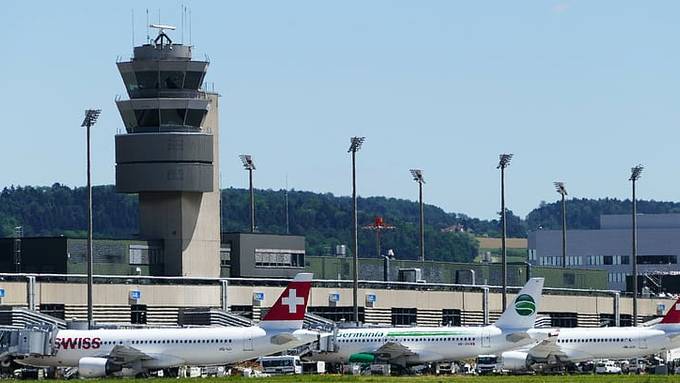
column 579, row 91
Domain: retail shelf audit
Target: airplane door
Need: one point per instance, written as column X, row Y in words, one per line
column 486, row 339
column 248, row 342
column 642, row 343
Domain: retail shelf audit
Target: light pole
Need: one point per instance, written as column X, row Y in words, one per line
column 91, row 116
column 249, row 165
column 562, row 190
column 503, row 162
column 635, row 173
column 355, row 145
column 417, row 175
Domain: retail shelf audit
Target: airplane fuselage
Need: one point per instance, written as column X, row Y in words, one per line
column 169, row 347
column 580, row 344
column 425, row 344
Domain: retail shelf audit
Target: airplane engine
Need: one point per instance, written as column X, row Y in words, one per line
column 362, row 357
column 516, row 361
column 90, row 367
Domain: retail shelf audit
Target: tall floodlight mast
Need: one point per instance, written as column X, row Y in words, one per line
column 417, row 175
column 355, row 145
column 504, row 162
column 562, row 190
column 635, row 173
column 249, row 165
column 91, row 116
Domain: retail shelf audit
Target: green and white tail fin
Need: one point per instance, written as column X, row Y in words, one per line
column 521, row 313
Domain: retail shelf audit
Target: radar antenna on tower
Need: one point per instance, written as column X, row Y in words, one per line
column 161, row 34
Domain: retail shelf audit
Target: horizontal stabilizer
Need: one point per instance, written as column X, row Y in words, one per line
column 282, row 338
column 517, row 337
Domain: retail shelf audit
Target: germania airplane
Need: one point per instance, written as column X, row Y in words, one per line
column 416, row 345
column 103, row 352
column 556, row 347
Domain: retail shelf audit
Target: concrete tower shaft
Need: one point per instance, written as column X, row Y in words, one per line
column 169, row 155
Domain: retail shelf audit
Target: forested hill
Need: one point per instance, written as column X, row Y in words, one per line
column 585, row 213
column 324, row 219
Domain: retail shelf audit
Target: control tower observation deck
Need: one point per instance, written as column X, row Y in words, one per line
column 169, row 155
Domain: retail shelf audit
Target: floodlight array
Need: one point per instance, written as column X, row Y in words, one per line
column 91, row 116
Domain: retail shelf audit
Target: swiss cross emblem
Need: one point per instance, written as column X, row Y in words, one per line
column 292, row 301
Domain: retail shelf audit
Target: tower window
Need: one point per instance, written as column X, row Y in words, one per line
column 173, row 116
column 193, row 80
column 172, row 80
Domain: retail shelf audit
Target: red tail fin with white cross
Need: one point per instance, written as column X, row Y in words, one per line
column 288, row 311
column 673, row 314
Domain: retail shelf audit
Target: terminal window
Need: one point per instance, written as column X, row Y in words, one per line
column 404, row 316
column 245, row 311
column 451, row 317
column 56, row 310
column 144, row 255
column 337, row 313
column 657, row 260
column 225, row 256
column 563, row 319
column 279, row 258
column 138, row 314
column 608, row 320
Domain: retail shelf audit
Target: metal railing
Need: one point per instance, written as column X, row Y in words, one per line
column 329, row 283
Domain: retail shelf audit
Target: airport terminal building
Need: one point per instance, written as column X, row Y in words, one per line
column 610, row 247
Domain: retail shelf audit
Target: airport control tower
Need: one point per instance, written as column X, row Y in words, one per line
column 169, row 155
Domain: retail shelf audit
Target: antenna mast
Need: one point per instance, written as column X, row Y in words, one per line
column 286, row 202
column 148, row 39
column 133, row 27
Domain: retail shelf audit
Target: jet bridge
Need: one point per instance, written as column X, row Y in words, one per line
column 31, row 340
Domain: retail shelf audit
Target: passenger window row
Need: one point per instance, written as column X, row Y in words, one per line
column 168, row 341
column 594, row 340
column 446, row 339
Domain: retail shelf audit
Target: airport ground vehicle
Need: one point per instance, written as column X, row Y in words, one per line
column 488, row 364
column 607, row 367
column 103, row 352
column 286, row 364
column 317, row 367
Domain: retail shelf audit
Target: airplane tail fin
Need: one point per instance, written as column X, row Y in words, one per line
column 521, row 314
column 288, row 311
column 673, row 314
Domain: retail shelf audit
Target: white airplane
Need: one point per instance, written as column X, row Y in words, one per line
column 99, row 353
column 555, row 347
column 416, row 345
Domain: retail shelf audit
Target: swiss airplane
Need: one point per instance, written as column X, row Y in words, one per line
column 99, row 353
column 416, row 345
column 556, row 347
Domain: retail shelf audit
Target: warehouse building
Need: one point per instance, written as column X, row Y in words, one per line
column 610, row 247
